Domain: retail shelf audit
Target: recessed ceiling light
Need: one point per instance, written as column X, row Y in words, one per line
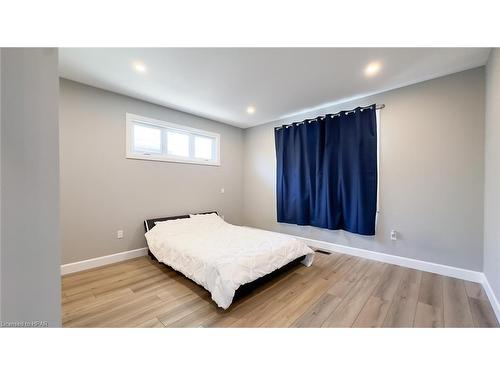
column 140, row 67
column 372, row 68
column 250, row 109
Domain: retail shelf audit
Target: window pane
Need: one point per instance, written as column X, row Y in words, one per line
column 203, row 147
column 147, row 139
column 178, row 144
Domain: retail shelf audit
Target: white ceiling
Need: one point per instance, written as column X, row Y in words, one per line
column 219, row 83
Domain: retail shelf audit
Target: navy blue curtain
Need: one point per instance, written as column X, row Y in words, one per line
column 327, row 171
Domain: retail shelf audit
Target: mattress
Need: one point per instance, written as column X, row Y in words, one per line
column 220, row 256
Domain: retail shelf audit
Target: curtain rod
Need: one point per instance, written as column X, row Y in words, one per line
column 381, row 106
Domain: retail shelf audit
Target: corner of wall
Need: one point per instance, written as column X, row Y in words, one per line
column 491, row 237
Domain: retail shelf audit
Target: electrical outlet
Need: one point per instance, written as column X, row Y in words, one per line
column 119, row 233
column 394, row 235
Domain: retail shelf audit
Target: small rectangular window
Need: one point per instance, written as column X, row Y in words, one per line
column 177, row 143
column 203, row 147
column 147, row 139
column 151, row 139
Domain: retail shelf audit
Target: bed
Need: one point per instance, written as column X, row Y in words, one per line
column 221, row 257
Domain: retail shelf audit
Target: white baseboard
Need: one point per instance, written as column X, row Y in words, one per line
column 495, row 304
column 441, row 269
column 102, row 261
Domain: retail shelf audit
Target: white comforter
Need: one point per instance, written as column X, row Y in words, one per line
column 220, row 256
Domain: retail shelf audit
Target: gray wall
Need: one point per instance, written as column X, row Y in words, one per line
column 431, row 175
column 492, row 174
column 0, row 185
column 30, row 254
column 102, row 191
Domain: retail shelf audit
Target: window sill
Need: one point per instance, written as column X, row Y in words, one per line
column 213, row 163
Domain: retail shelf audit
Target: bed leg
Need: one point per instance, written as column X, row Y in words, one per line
column 151, row 255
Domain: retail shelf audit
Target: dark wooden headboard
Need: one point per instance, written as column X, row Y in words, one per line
column 150, row 223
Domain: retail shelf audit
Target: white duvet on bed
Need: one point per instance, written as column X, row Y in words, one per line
column 220, row 256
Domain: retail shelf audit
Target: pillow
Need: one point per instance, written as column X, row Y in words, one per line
column 212, row 217
column 203, row 216
column 169, row 221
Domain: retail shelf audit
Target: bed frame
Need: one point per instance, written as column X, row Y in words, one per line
column 243, row 289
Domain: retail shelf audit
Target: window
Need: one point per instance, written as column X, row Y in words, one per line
column 151, row 139
column 147, row 139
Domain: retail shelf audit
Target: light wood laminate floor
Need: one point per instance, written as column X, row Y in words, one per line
column 336, row 291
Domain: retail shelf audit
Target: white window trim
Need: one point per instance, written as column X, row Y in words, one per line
column 130, row 154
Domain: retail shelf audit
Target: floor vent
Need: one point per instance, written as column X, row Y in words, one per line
column 322, row 251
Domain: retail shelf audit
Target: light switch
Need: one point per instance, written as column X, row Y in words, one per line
column 119, row 234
